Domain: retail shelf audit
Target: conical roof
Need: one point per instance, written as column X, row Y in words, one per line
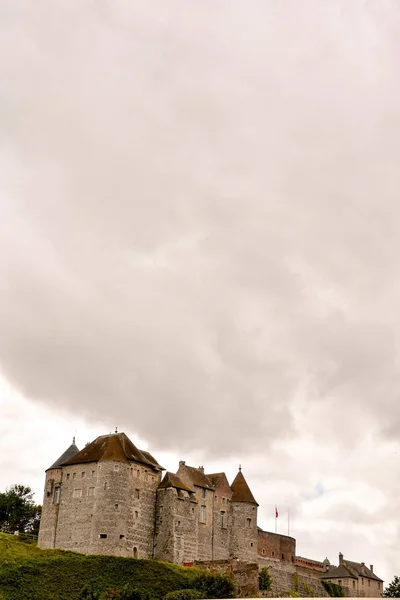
column 69, row 453
column 115, row 446
column 241, row 491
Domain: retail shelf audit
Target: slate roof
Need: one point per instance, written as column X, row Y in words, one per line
column 199, row 478
column 241, row 491
column 362, row 570
column 340, row 572
column 69, row 453
column 116, row 446
column 350, row 569
column 172, row 480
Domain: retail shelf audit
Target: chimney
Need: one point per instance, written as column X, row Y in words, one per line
column 182, row 463
column 371, row 567
column 340, row 558
column 201, row 469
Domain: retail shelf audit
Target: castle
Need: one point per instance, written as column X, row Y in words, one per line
column 111, row 498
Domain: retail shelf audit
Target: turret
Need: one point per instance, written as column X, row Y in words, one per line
column 243, row 519
column 51, row 499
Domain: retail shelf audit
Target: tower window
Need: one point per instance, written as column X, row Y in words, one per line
column 67, row 476
column 116, row 506
column 136, row 514
column 121, row 537
column 137, row 493
column 77, row 493
column 102, row 536
column 248, row 522
column 57, row 492
column 202, row 514
column 83, row 474
column 91, row 491
column 251, row 544
column 223, row 519
column 116, row 467
column 203, row 492
column 263, row 551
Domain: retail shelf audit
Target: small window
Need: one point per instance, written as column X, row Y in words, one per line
column 362, row 581
column 273, row 553
column 202, row 514
column 379, row 585
column 83, row 474
column 137, row 493
column 136, row 514
column 116, row 506
column 121, row 536
column 223, row 519
column 105, row 485
column 340, row 582
column 216, row 498
column 203, row 492
column 73, row 475
column 135, row 552
column 251, row 544
column 263, row 551
column 146, row 475
column 248, row 522
column 91, row 491
column 283, row 557
column 354, row 584
column 179, row 522
column 57, row 492
column 138, row 473
column 192, row 511
column 369, row 583
column 116, row 467
column 102, row 536
column 77, row 493
column 67, row 476
column 93, row 473
column 223, row 500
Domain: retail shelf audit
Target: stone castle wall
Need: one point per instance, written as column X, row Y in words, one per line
column 275, row 545
column 243, row 531
column 104, row 508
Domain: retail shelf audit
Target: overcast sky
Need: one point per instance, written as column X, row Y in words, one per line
column 199, row 244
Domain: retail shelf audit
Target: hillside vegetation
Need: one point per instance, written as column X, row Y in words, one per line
column 27, row 572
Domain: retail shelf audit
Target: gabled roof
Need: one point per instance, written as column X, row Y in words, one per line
column 241, row 491
column 339, row 572
column 69, row 453
column 198, row 478
column 362, row 570
column 172, row 480
column 215, row 478
column 116, row 446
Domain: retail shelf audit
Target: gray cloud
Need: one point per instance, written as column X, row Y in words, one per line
column 199, row 225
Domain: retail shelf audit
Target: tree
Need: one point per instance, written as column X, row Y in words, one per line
column 393, row 589
column 18, row 511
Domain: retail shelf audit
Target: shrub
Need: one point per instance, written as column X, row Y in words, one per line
column 184, row 595
column 334, row 589
column 264, row 579
column 215, row 585
column 129, row 592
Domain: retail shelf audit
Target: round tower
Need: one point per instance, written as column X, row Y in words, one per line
column 243, row 521
column 51, row 498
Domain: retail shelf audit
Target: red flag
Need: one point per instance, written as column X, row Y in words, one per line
column 276, row 512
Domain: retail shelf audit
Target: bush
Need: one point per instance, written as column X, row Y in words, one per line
column 264, row 579
column 334, row 589
column 215, row 585
column 129, row 592
column 184, row 595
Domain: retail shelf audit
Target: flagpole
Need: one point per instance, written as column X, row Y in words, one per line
column 276, row 519
column 288, row 522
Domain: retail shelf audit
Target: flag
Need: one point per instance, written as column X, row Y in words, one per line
column 276, row 512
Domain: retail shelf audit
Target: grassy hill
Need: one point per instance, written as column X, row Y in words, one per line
column 27, row 572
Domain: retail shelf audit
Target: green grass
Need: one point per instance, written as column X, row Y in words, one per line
column 27, row 572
